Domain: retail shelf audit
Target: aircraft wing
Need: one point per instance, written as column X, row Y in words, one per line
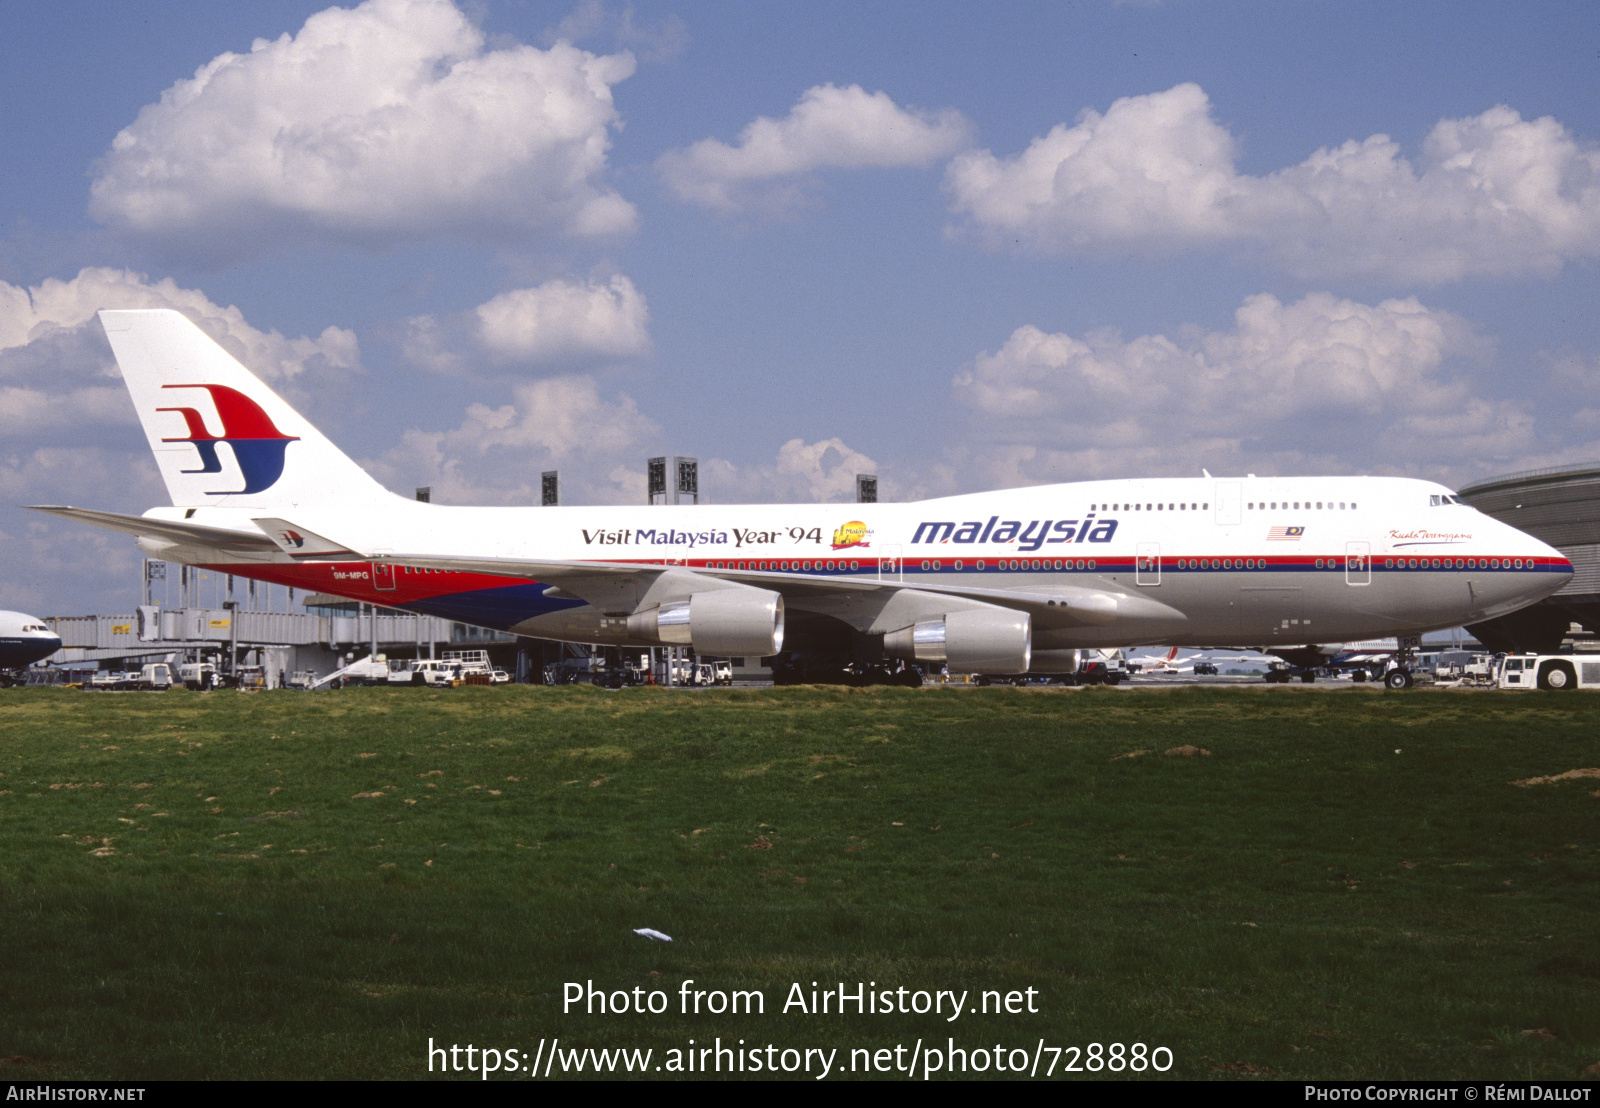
column 596, row 582
column 170, row 530
column 864, row 603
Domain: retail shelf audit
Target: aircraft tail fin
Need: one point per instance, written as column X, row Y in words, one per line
column 220, row 436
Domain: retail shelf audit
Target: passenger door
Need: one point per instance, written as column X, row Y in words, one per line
column 383, row 576
column 1358, row 563
column 890, row 568
column 1147, row 564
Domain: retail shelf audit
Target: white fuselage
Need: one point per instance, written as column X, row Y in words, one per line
column 1248, row 561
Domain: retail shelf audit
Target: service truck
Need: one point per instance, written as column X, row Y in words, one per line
column 1547, row 671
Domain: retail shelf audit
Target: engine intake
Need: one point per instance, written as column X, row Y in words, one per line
column 981, row 640
column 721, row 622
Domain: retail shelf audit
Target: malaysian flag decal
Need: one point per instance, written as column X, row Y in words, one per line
column 1285, row 534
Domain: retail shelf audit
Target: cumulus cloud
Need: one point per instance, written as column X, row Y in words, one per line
column 1492, row 194
column 392, row 119
column 564, row 318
column 566, row 323
column 56, row 369
column 660, row 41
column 600, row 443
column 1319, row 384
column 830, row 128
column 496, row 454
column 803, row 472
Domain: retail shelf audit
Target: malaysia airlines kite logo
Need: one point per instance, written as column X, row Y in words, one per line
column 258, row 446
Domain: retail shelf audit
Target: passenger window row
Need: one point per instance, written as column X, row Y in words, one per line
column 1299, row 506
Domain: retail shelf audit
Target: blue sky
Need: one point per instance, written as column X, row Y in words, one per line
column 963, row 246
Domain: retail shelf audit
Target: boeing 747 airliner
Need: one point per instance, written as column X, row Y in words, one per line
column 1007, row 582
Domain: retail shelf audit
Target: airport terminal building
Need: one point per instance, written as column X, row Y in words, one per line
column 1561, row 506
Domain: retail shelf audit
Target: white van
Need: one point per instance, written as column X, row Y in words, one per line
column 436, row 672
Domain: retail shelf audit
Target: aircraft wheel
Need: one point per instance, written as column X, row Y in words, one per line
column 1308, row 677
column 1397, row 679
column 981, row 681
column 910, row 678
column 1557, row 675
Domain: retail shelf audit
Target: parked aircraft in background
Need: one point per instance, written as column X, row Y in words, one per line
column 1168, row 664
column 1199, row 663
column 24, row 639
column 1005, row 582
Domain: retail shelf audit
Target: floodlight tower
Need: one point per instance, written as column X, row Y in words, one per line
column 866, row 488
column 684, row 475
column 685, row 480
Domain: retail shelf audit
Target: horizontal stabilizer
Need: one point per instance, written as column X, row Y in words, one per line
column 301, row 542
column 193, row 534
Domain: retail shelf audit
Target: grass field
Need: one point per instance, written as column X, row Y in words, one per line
column 1346, row 885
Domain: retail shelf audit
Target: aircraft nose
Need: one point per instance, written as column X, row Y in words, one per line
column 1546, row 570
column 1556, row 565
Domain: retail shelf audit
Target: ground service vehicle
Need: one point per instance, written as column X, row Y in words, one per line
column 155, row 676
column 438, row 672
column 1547, row 671
column 198, row 675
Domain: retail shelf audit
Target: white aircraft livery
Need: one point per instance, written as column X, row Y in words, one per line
column 1004, row 582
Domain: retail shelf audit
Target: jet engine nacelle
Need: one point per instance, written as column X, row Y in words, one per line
column 981, row 640
column 722, row 622
column 1056, row 661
